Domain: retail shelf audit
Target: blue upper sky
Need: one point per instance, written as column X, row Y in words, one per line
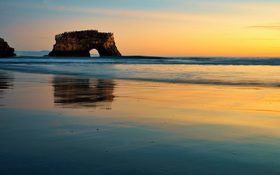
column 41, row 8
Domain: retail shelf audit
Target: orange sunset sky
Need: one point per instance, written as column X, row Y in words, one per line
column 150, row 27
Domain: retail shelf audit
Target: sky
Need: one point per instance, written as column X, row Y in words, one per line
column 150, row 27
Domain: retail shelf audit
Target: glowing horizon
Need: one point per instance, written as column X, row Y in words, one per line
column 163, row 28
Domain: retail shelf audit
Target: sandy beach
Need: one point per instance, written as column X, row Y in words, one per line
column 65, row 124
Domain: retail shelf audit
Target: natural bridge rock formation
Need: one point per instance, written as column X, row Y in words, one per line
column 79, row 44
column 5, row 49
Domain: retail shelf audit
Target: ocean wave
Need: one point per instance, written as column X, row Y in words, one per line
column 144, row 60
column 232, row 75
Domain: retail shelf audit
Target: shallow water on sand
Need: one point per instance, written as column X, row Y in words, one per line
column 61, row 124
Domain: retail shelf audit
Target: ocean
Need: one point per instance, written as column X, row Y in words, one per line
column 139, row 115
column 193, row 70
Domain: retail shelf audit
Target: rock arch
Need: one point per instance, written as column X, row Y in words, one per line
column 79, row 43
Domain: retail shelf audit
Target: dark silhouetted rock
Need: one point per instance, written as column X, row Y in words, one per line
column 79, row 44
column 5, row 49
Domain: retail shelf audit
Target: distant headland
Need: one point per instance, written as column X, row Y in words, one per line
column 5, row 49
column 80, row 43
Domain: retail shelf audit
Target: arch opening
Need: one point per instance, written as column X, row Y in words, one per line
column 94, row 53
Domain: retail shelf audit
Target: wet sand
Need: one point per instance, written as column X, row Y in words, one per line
column 55, row 124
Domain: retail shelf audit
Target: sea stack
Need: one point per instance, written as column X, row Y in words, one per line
column 5, row 49
column 79, row 44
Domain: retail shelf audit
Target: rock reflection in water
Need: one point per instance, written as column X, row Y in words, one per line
column 6, row 82
column 82, row 92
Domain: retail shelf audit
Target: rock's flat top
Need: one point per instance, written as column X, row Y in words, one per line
column 79, row 43
column 5, row 49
